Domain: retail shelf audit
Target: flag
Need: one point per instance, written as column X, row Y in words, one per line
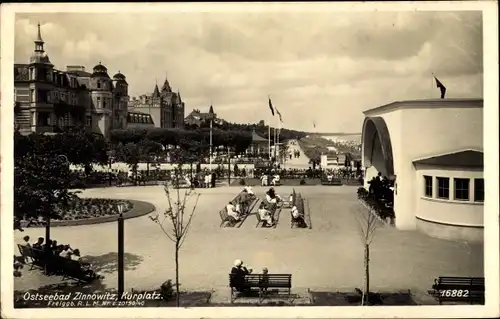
column 271, row 106
column 279, row 114
column 441, row 87
column 314, row 124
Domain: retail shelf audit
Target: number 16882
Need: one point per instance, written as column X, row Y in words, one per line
column 464, row 293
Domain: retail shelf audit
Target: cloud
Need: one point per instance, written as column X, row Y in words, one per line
column 324, row 67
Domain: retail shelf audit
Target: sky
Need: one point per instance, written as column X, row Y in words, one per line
column 322, row 67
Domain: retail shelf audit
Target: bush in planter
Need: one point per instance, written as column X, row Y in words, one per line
column 242, row 182
column 167, row 290
column 362, row 192
column 302, row 182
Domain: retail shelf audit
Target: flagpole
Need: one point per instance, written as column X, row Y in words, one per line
column 211, row 144
column 269, row 136
column 432, row 84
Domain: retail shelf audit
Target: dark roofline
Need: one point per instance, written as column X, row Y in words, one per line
column 427, row 104
column 470, row 158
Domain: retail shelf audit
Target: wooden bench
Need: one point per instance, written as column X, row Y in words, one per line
column 73, row 269
column 247, row 211
column 274, row 213
column 334, row 181
column 299, row 202
column 459, row 289
column 66, row 267
column 228, row 221
column 29, row 257
column 261, row 283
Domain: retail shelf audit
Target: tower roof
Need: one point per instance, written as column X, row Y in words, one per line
column 156, row 91
column 166, row 86
column 39, row 37
column 211, row 111
column 100, row 71
column 119, row 76
column 39, row 55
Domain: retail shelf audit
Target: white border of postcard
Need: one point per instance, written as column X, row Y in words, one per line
column 491, row 208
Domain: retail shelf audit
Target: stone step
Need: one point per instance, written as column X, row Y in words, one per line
column 298, row 296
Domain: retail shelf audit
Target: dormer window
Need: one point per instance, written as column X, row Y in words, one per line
column 98, row 84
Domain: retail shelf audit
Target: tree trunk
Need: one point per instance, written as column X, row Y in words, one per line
column 366, row 290
column 177, row 295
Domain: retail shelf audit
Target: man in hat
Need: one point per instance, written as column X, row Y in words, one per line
column 238, row 273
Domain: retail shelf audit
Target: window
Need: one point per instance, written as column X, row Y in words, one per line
column 461, row 188
column 43, row 119
column 32, row 95
column 443, row 187
column 98, row 84
column 428, row 186
column 104, row 103
column 98, row 102
column 479, row 190
column 89, row 121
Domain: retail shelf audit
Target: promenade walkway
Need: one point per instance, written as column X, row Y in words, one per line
column 327, row 257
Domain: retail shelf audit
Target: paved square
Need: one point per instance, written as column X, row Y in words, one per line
column 327, row 257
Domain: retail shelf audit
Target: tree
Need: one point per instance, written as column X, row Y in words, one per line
column 368, row 223
column 129, row 153
column 41, row 184
column 148, row 149
column 180, row 222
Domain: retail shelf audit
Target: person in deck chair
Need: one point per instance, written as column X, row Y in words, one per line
column 239, row 271
column 298, row 218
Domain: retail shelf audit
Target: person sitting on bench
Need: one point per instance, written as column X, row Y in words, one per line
column 231, row 212
column 264, row 279
column 298, row 218
column 248, row 190
column 39, row 243
column 272, row 198
column 26, row 240
column 263, row 180
column 66, row 252
column 265, row 215
column 239, row 271
column 276, row 179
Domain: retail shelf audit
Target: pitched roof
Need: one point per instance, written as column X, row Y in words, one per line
column 258, row 138
column 465, row 158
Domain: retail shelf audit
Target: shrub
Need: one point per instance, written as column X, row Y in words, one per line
column 167, row 290
column 242, row 182
column 302, row 182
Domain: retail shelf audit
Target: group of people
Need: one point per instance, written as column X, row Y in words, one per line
column 268, row 207
column 64, row 251
column 382, row 188
column 54, row 248
column 296, row 154
column 271, row 178
column 238, row 273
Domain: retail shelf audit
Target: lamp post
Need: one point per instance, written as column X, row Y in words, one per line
column 228, row 166
column 121, row 268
